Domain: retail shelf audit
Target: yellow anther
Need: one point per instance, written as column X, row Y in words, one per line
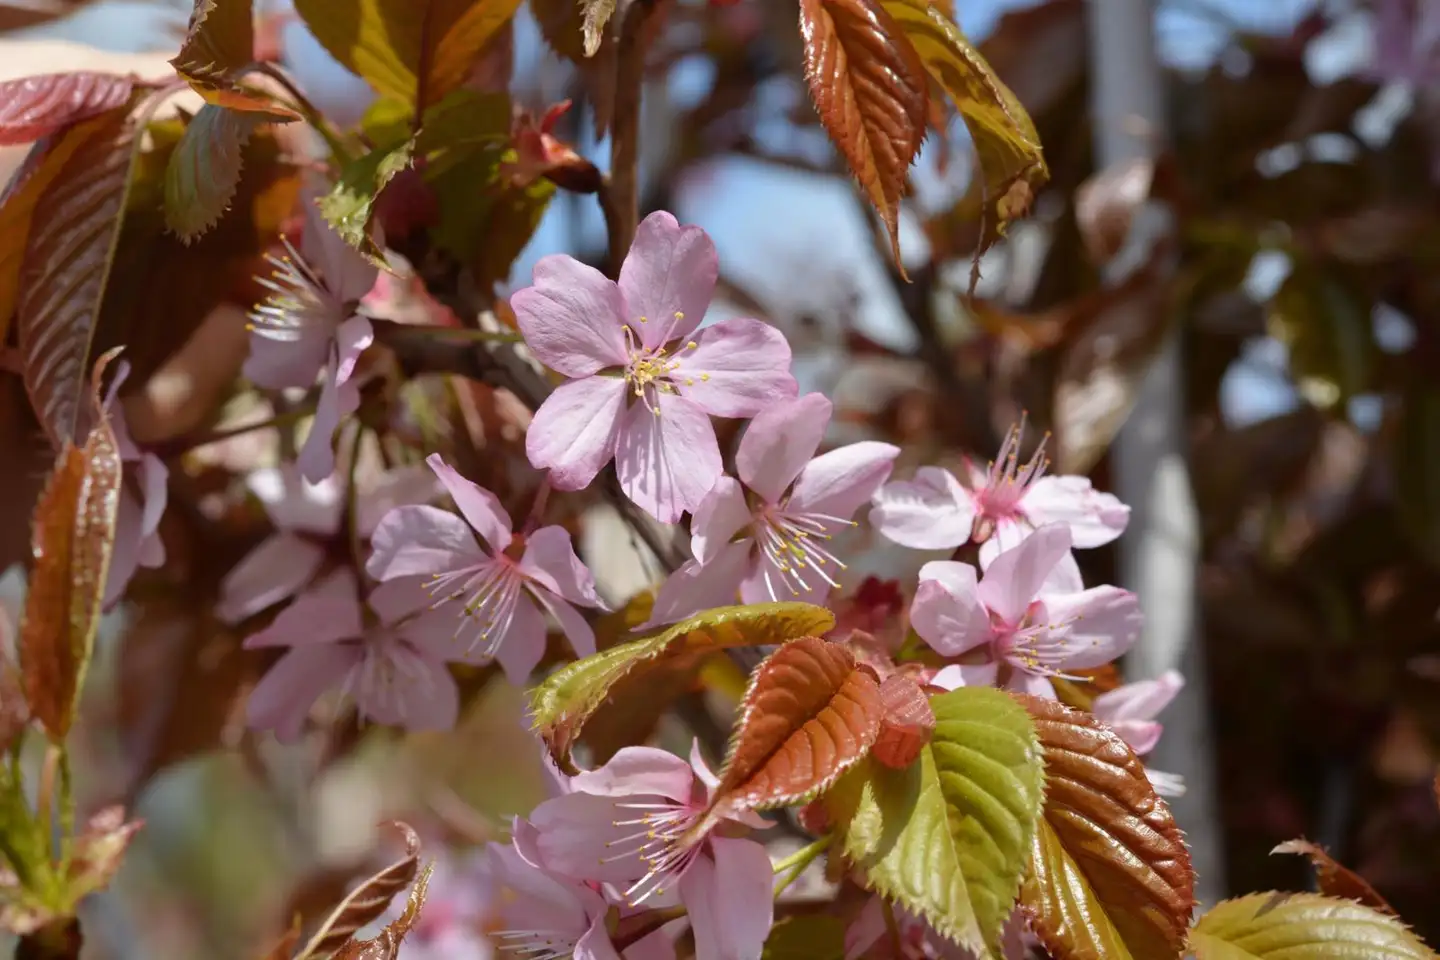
column 691, row 345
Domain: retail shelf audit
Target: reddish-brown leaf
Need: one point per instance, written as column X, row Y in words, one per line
column 1336, row 879
column 810, row 713
column 872, row 93
column 35, row 107
column 369, row 900
column 1110, row 877
column 74, row 531
column 907, row 724
column 1105, row 205
column 386, row 944
column 75, row 230
column 219, row 45
column 14, row 711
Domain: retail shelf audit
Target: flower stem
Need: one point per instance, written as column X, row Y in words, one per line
column 796, row 863
column 333, row 138
column 185, row 445
column 619, row 193
column 537, row 506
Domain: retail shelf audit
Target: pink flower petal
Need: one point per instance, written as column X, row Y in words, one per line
column 694, row 587
column 737, row 369
column 411, row 484
column 1141, row 735
column 348, row 275
column 577, row 835
column 1094, row 518
column 840, row 482
column 326, row 613
column 668, row 278
column 154, row 491
column 1022, row 681
column 1103, row 623
column 721, row 515
column 574, row 433
column 481, row 508
column 947, row 612
column 421, row 541
column 418, row 694
column 572, row 624
column 1141, row 700
column 594, row 943
column 958, row 675
column 317, row 457
column 277, row 364
column 281, row 701
column 351, row 339
column 1016, row 576
column 668, row 461
column 550, row 560
column 779, row 442
column 637, row 770
column 293, row 503
column 703, row 773
column 729, row 900
column 931, row 512
column 523, row 644
column 572, row 318
column 125, row 550
column 394, row 600
column 276, row 570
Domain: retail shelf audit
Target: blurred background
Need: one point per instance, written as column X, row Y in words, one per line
column 1239, row 245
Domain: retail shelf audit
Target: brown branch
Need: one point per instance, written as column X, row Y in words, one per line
column 619, row 194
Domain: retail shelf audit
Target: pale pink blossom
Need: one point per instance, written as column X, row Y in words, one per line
column 144, row 490
column 394, row 668
column 643, row 382
column 307, row 518
column 766, row 535
column 1130, row 710
column 1407, row 42
column 308, row 327
column 501, row 591
column 1023, row 617
column 999, row 507
column 638, row 823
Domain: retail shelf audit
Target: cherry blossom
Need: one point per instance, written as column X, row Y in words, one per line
column 503, row 589
column 1130, row 710
column 395, row 670
column 999, row 507
column 766, row 534
column 308, row 327
column 307, row 516
column 1022, row 624
column 542, row 916
column 643, row 383
column 639, row 823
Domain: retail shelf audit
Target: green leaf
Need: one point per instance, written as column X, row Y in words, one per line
column 565, row 702
column 814, row 937
column 1005, row 139
column 949, row 836
column 204, row 170
column 1326, row 325
column 1301, row 926
column 349, row 205
column 415, row 51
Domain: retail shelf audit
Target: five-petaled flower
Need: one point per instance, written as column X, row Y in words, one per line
column 1023, row 623
column 643, row 382
column 308, row 326
column 639, row 823
column 1130, row 710
column 503, row 589
column 768, row 538
column 395, row 669
column 1000, row 506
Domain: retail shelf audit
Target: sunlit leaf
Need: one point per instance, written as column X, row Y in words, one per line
column 907, row 724
column 68, row 256
column 1109, row 876
column 349, row 206
column 872, row 95
column 415, row 51
column 810, row 713
column 35, row 107
column 386, row 944
column 1301, row 926
column 367, row 901
column 1334, row 878
column 74, row 532
column 565, row 702
column 204, row 170
column 1006, row 143
column 948, row 837
column 597, row 14
column 218, row 47
column 815, row 937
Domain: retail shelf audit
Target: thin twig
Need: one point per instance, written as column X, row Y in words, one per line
column 619, row 194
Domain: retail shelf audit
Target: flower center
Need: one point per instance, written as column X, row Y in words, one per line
column 492, row 590
column 1034, row 645
column 660, row 839
column 380, row 680
column 649, row 371
column 298, row 302
column 1006, row 482
column 794, row 546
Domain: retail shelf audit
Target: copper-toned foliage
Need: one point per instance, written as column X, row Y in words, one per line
column 34, row 107
column 369, row 900
column 1110, row 877
column 218, row 47
column 74, row 531
column 872, row 94
column 1334, row 878
column 907, row 724
column 68, row 256
column 810, row 713
column 386, row 944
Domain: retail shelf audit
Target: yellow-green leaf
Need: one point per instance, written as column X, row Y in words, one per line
column 349, row 205
column 948, row 837
column 565, row 702
column 1301, row 926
